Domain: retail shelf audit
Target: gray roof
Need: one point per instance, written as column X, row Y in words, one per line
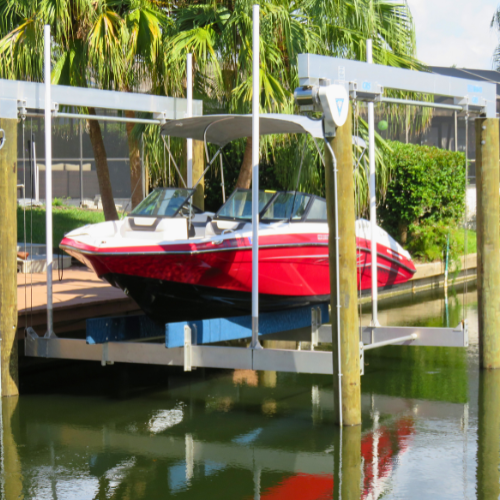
column 222, row 129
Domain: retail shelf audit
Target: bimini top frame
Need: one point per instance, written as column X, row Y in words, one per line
column 223, row 129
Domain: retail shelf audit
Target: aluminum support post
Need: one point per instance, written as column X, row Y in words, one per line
column 488, row 241
column 373, row 196
column 48, row 175
column 80, row 133
column 346, row 315
column 255, row 179
column 8, row 267
column 189, row 114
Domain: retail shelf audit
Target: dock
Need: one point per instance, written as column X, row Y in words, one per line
column 78, row 296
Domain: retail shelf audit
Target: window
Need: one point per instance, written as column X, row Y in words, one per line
column 287, row 206
column 317, row 210
column 239, row 204
column 162, row 202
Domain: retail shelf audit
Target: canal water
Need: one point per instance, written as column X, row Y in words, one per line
column 431, row 427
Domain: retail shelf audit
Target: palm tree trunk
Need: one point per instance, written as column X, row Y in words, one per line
column 101, row 160
column 245, row 178
column 135, row 162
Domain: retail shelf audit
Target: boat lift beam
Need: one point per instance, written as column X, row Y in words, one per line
column 17, row 97
column 191, row 355
column 206, row 331
column 367, row 83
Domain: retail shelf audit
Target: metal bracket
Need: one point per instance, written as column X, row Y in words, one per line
column 105, row 355
column 361, row 359
column 54, row 109
column 162, row 116
column 21, row 107
column 366, row 91
column 315, row 326
column 470, row 104
column 189, row 339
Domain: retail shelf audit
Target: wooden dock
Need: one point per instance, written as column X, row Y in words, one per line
column 78, row 296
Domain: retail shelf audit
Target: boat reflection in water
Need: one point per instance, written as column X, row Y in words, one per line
column 250, row 434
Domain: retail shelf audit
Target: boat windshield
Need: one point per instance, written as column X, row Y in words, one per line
column 163, row 202
column 286, row 206
column 239, row 204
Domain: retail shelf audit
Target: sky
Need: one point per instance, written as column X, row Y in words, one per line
column 455, row 32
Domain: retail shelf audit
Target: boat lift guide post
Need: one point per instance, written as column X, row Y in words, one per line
column 18, row 97
column 255, row 176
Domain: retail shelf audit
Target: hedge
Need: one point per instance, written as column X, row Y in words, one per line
column 425, row 196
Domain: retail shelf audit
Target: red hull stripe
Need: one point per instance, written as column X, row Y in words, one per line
column 292, row 270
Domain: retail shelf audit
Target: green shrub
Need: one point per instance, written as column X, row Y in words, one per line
column 425, row 197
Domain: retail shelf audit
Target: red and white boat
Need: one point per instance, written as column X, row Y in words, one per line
column 179, row 263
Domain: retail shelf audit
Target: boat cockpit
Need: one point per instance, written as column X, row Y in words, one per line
column 176, row 205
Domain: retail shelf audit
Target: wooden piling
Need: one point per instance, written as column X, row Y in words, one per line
column 488, row 240
column 12, row 477
column 488, row 436
column 8, row 258
column 348, row 467
column 198, row 168
column 349, row 321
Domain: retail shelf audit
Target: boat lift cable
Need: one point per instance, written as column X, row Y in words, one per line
column 24, row 231
column 357, row 200
column 337, row 284
column 298, row 177
column 32, row 170
column 466, row 166
column 222, row 180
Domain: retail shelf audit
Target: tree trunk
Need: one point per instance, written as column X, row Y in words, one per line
column 101, row 160
column 403, row 232
column 245, row 177
column 135, row 162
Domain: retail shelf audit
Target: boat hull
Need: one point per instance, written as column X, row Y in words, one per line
column 167, row 301
column 203, row 280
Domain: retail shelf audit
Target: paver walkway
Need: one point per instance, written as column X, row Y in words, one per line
column 78, row 286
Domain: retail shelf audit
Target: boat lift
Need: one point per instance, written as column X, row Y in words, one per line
column 121, row 341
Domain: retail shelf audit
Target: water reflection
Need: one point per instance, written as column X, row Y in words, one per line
column 150, row 433
column 488, row 436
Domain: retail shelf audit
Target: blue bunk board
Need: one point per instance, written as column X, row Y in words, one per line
column 123, row 328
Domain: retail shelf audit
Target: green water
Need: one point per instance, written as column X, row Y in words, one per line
column 431, row 428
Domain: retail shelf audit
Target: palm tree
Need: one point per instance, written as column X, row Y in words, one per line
column 105, row 44
column 21, row 48
column 219, row 35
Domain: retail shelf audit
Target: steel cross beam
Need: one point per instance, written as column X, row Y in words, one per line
column 15, row 95
column 370, row 79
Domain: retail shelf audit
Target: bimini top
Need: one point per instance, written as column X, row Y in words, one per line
column 222, row 129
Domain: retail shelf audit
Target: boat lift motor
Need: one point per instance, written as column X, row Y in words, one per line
column 331, row 100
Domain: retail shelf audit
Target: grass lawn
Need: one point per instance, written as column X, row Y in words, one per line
column 459, row 237
column 435, row 248
column 65, row 219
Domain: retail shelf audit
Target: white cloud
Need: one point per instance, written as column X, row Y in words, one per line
column 455, row 32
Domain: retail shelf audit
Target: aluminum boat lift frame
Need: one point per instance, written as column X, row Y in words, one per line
column 365, row 82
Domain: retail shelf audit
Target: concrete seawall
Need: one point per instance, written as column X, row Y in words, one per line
column 429, row 276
